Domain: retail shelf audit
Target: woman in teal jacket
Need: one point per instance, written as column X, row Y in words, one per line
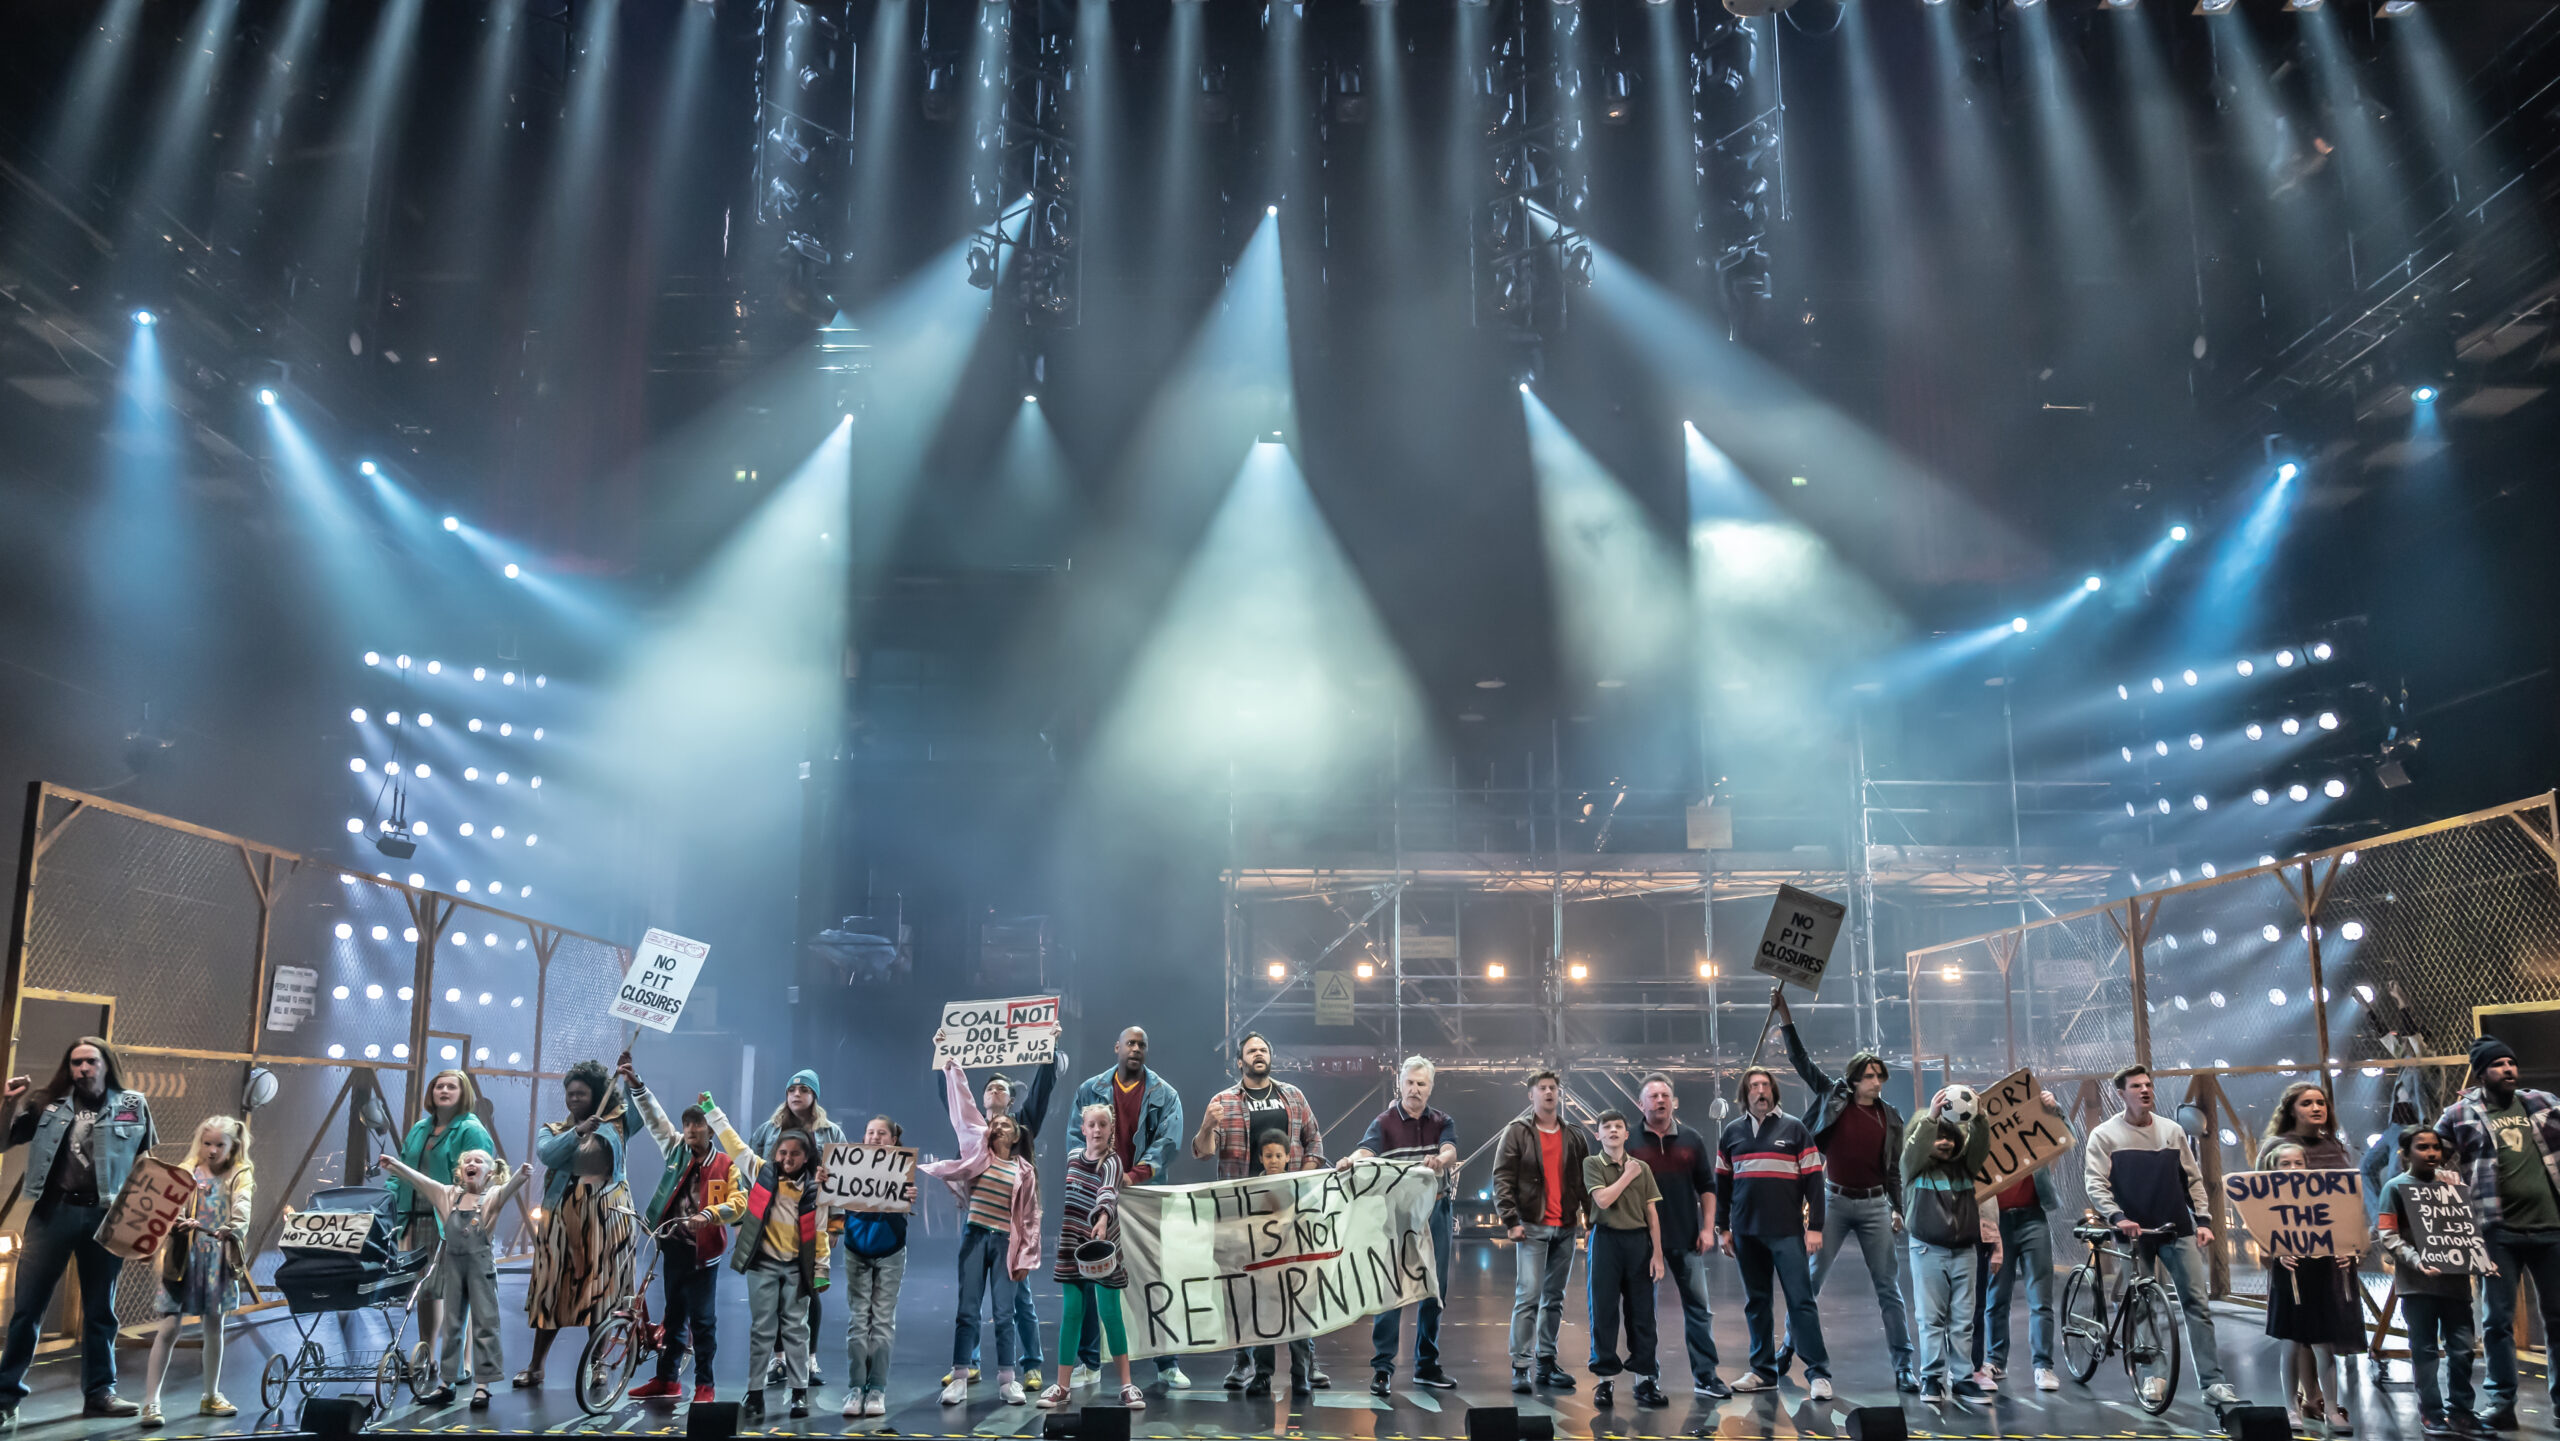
column 450, row 1127
column 582, row 1265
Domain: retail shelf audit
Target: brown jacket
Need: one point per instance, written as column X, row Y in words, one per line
column 1520, row 1182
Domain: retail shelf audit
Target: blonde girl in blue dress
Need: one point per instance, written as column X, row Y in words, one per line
column 201, row 1260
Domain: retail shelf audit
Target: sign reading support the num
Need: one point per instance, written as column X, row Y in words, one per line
column 1797, row 945
column 1019, row 1031
column 341, row 1231
column 2026, row 1134
column 2302, row 1214
column 293, row 994
column 1270, row 1259
column 660, row 980
column 155, row 1197
column 867, row 1178
column 2444, row 1236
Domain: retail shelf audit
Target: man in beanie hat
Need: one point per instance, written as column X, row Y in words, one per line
column 2506, row 1142
column 1860, row 1136
column 801, row 1112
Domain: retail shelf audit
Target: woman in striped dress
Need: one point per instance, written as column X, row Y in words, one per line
column 582, row 1265
column 1093, row 1193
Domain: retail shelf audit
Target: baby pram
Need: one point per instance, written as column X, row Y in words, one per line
column 342, row 1253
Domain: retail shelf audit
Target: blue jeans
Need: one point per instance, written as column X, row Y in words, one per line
column 2183, row 1259
column 2431, row 1319
column 2516, row 1252
column 1026, row 1328
column 1541, row 1263
column 2026, row 1249
column 1782, row 1259
column 1870, row 1220
column 1384, row 1337
column 1943, row 1277
column 1697, row 1323
column 982, row 1268
column 58, row 1240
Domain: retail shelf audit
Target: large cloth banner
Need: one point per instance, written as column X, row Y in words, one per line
column 1272, row 1259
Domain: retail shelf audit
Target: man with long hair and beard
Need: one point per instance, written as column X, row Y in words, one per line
column 82, row 1133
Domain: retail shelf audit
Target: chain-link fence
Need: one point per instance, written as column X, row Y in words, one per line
column 185, row 948
column 2347, row 966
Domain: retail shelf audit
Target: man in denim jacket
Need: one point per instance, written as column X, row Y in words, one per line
column 81, row 1145
column 1147, row 1126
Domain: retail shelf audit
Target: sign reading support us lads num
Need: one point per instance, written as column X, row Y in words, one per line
column 654, row 990
column 1015, row 1031
column 1797, row 946
column 1272, row 1259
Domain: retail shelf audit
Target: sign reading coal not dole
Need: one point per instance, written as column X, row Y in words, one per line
column 1272, row 1259
column 1802, row 930
column 156, row 1196
column 660, row 980
column 2302, row 1214
column 1016, row 1031
column 866, row 1178
column 2026, row 1134
column 343, row 1232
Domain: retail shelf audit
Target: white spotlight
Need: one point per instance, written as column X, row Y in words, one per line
column 2328, row 720
column 2333, row 788
column 1271, row 210
column 266, row 397
column 2260, row 796
column 2254, row 731
column 2160, row 748
column 453, row 522
column 355, row 827
column 2177, row 533
column 2158, row 686
column 2291, row 726
column 2195, row 742
column 356, row 764
column 2284, row 658
column 2164, row 805
column 2320, row 650
column 2123, row 694
column 512, row 572
column 2018, row 625
column 145, row 318
column 2127, row 753
column 368, row 467
column 2246, row 668
column 2199, row 802
column 2092, row 583
column 2354, row 931
column 2188, row 676
column 373, row 657
column 2297, row 792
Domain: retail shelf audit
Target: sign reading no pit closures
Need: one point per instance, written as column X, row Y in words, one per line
column 1797, row 945
column 661, row 977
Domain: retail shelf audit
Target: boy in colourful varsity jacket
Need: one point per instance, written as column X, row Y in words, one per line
column 782, row 1251
column 696, row 1178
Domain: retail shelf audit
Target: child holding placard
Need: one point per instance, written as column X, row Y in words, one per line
column 1092, row 1190
column 875, row 1266
column 465, row 1279
column 200, row 1260
column 2435, row 1304
column 2308, row 1306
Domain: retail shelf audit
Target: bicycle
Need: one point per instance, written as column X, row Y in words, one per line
column 621, row 1341
column 2144, row 1326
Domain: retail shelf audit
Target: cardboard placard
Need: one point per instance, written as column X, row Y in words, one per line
column 867, row 1178
column 1015, row 1031
column 2442, row 1231
column 2026, row 1134
column 1797, row 945
column 343, row 1232
column 155, row 1197
column 293, row 994
column 2302, row 1214
column 654, row 990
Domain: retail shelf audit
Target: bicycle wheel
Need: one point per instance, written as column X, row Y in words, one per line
column 2151, row 1345
column 604, row 1367
column 274, row 1381
column 2084, row 1326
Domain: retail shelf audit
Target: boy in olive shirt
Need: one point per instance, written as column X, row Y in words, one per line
column 1626, row 1259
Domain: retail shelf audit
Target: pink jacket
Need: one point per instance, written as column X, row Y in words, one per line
column 971, row 1128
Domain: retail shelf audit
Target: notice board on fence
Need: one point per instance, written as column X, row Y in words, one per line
column 2026, row 1134
column 2302, row 1214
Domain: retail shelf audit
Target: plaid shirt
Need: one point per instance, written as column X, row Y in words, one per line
column 2466, row 1124
column 1236, row 1157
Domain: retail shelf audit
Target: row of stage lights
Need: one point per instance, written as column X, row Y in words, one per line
column 2335, row 788
column 1279, row 972
column 2327, row 720
column 436, row 667
column 2285, row 659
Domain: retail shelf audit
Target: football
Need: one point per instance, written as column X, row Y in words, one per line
column 1957, row 1104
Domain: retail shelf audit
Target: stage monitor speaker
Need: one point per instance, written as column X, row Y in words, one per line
column 1104, row 1423
column 711, row 1421
column 1505, row 1423
column 1878, row 1423
column 2257, row 1423
column 333, row 1418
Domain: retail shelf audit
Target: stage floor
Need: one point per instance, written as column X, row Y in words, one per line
column 1474, row 1342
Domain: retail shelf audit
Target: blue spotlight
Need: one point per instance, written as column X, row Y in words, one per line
column 1271, row 210
column 2092, row 583
column 452, row 522
column 368, row 467
column 2178, row 533
column 2424, row 394
column 2288, row 471
column 512, row 572
column 145, row 317
column 266, row 397
column 2018, row 625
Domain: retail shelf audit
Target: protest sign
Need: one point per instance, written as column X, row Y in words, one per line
column 292, row 995
column 2442, row 1232
column 1270, row 1259
column 155, row 1197
column 661, row 977
column 1797, row 945
column 1019, row 1031
column 2026, row 1134
column 867, row 1178
column 341, row 1231
column 2302, row 1214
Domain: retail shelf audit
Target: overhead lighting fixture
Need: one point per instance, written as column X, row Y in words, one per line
column 146, row 318
column 2424, row 394
column 2178, row 533
column 266, row 397
column 2289, row 470
column 2394, row 9
column 2213, row 7
column 2018, row 625
column 2092, row 583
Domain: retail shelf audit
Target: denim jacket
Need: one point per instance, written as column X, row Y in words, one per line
column 124, row 1131
column 1159, row 1124
column 558, row 1150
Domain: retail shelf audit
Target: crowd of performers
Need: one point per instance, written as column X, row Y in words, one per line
column 1646, row 1198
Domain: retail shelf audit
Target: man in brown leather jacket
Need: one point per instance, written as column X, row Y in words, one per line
column 1538, row 1194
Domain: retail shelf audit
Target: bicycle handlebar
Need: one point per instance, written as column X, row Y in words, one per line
column 2110, row 1233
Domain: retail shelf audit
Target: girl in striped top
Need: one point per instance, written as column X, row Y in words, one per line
column 1093, row 1193
column 1000, row 1238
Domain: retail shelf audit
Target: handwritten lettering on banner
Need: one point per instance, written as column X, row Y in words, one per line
column 1019, row 1031
column 341, row 1231
column 2302, row 1214
column 660, row 980
column 1271, row 1259
column 2445, row 1236
column 2026, row 1134
column 155, row 1197
column 867, row 1178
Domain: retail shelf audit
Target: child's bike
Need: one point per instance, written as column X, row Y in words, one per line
column 2143, row 1321
column 621, row 1341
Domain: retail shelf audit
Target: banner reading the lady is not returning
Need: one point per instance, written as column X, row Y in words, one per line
column 1271, row 1259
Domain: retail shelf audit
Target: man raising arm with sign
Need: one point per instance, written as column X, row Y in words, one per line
column 2140, row 1177
column 2507, row 1141
column 1860, row 1135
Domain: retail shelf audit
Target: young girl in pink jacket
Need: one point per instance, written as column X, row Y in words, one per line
column 999, row 1195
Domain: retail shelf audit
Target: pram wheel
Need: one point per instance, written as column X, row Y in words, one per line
column 422, row 1379
column 307, row 1368
column 275, row 1381
column 605, row 1366
column 388, row 1373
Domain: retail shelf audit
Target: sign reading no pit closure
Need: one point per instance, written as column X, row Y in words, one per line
column 661, row 977
column 1797, row 945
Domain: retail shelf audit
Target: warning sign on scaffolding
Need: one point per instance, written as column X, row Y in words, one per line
column 1797, row 945
column 1333, row 998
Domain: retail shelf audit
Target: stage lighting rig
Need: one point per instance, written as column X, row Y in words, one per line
column 397, row 842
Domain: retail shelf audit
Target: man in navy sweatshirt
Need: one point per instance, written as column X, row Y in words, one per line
column 1769, row 1218
column 2140, row 1177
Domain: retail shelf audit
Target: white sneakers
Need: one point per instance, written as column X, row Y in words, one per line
column 1754, row 1381
column 1083, row 1376
column 2219, row 1395
column 1820, row 1389
column 852, row 1405
column 2046, row 1380
column 875, row 1403
column 1010, row 1393
column 2155, row 1388
column 1174, row 1380
column 957, row 1392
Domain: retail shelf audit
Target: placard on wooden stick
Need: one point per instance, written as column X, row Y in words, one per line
column 2302, row 1214
column 2026, row 1134
column 1796, row 947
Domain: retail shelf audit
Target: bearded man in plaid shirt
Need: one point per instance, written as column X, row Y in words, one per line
column 1233, row 1121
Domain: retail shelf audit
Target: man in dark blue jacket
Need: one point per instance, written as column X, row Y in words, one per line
column 1769, row 1217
